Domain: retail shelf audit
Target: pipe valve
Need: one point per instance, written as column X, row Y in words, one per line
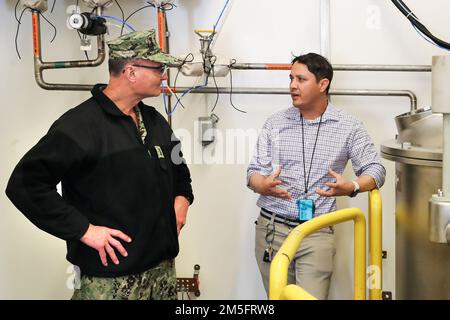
column 88, row 23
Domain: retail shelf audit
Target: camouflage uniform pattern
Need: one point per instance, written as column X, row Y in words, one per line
column 141, row 125
column 140, row 45
column 158, row 283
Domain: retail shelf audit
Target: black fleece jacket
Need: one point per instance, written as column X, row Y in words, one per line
column 109, row 178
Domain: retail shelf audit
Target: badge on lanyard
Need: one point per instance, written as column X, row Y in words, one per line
column 305, row 209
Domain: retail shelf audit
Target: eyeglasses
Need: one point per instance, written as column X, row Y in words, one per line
column 162, row 70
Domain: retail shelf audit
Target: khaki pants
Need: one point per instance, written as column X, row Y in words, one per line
column 313, row 264
column 158, row 283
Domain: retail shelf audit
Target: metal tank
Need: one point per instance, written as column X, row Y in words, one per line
column 422, row 267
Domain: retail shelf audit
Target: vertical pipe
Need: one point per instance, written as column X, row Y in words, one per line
column 36, row 26
column 325, row 28
column 36, row 34
column 360, row 257
column 375, row 245
column 169, row 97
column 440, row 103
column 446, row 155
column 163, row 39
column 161, row 29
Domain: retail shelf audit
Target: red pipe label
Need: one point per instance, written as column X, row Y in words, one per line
column 166, row 90
column 161, row 30
column 279, row 66
column 35, row 25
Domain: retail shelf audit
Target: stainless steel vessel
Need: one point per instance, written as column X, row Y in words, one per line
column 422, row 266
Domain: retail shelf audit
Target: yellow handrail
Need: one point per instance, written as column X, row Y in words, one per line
column 278, row 288
column 293, row 291
column 375, row 245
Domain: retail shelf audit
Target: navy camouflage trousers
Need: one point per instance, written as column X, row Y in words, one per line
column 158, row 283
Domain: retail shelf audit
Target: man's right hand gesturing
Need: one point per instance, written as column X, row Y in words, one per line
column 268, row 185
column 103, row 240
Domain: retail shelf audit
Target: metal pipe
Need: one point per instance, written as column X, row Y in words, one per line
column 325, row 29
column 336, row 67
column 40, row 66
column 338, row 92
column 447, row 233
column 261, row 66
column 163, row 31
column 446, row 155
column 381, row 67
column 440, row 79
column 383, row 93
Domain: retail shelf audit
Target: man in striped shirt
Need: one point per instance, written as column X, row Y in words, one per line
column 297, row 170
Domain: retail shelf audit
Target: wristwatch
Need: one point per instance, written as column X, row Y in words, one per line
column 355, row 189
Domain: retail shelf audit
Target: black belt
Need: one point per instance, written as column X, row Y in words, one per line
column 279, row 218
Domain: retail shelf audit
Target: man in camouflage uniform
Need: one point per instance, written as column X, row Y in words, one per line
column 125, row 186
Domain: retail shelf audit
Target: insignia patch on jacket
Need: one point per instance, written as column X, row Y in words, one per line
column 159, row 152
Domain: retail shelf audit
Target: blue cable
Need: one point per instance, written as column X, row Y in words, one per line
column 194, row 87
column 181, row 97
column 118, row 20
column 221, row 13
column 164, row 97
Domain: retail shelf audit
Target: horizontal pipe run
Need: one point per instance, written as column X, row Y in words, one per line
column 261, row 66
column 338, row 92
column 336, row 67
column 271, row 91
column 381, row 67
column 380, row 93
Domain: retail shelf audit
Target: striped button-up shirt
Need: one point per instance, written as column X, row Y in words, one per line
column 341, row 138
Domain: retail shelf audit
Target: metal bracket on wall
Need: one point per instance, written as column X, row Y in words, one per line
column 187, row 285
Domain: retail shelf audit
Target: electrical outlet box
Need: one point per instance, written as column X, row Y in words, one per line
column 207, row 128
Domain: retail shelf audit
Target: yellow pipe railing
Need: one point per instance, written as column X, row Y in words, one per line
column 292, row 291
column 278, row 288
column 375, row 246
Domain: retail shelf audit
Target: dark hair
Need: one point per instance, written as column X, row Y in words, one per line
column 116, row 65
column 317, row 65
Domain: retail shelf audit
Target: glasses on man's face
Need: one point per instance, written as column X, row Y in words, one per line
column 162, row 70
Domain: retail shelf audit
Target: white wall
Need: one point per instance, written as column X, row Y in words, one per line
column 220, row 231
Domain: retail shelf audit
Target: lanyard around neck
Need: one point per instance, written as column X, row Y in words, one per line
column 306, row 178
